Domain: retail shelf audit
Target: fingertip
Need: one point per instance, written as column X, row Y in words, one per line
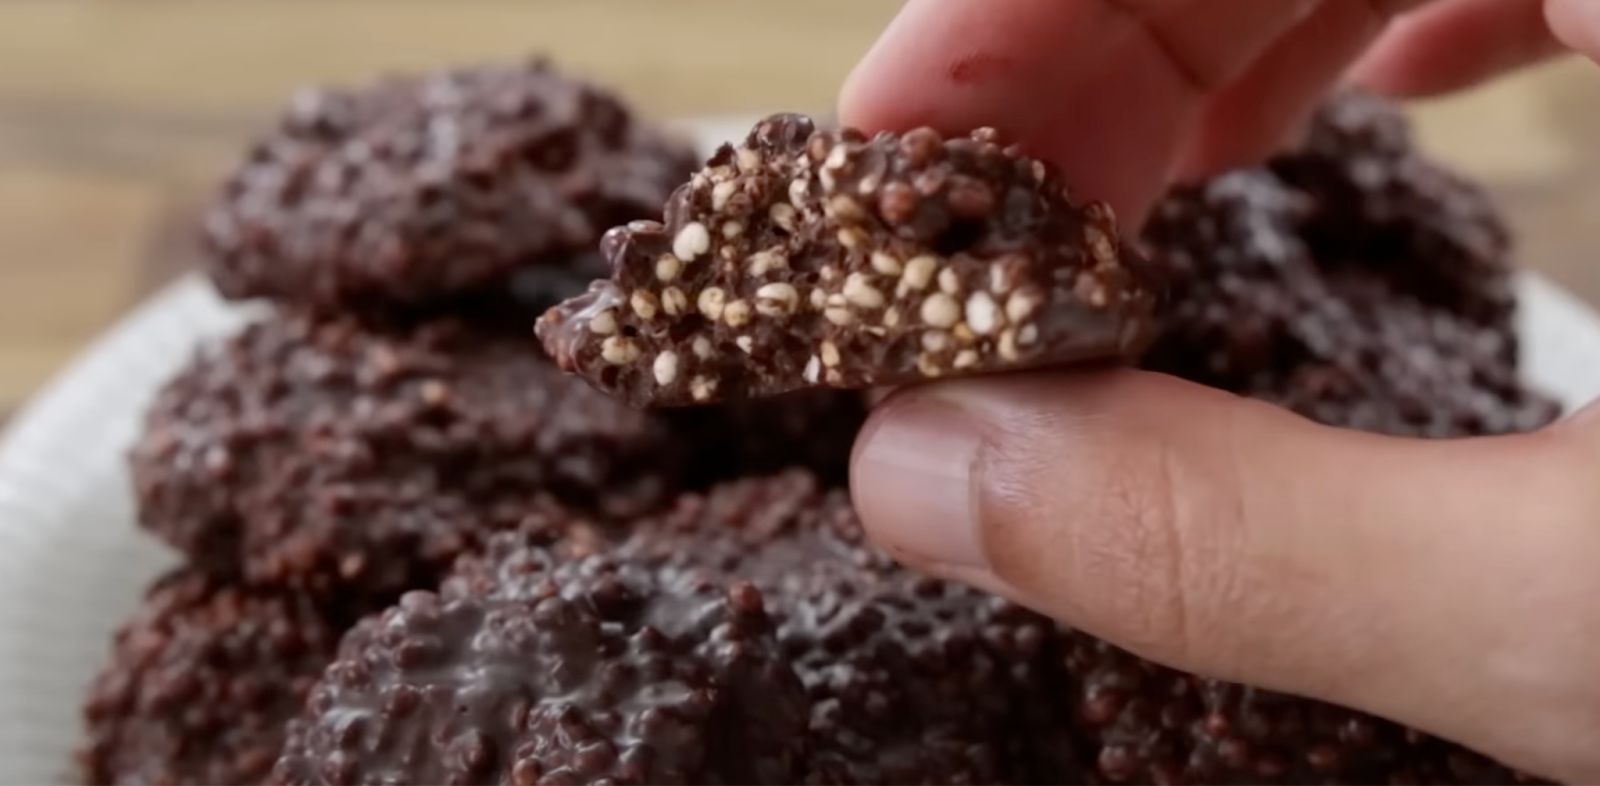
column 956, row 65
column 1576, row 23
column 910, row 476
column 1455, row 45
column 867, row 99
column 1258, row 113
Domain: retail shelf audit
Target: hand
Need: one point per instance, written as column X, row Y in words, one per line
column 1126, row 95
column 1449, row 585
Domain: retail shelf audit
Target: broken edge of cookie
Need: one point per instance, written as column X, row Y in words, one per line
column 819, row 258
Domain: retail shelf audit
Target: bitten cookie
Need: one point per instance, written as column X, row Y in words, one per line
column 419, row 188
column 806, row 258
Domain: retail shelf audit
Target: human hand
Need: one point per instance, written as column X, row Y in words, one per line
column 1125, row 95
column 1448, row 585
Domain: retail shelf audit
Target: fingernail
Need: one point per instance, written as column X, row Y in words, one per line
column 912, row 481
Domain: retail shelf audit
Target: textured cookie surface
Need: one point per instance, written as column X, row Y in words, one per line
column 323, row 454
column 201, row 682
column 1379, row 201
column 807, row 258
column 1149, row 724
column 594, row 674
column 418, row 188
column 1273, row 297
column 907, row 679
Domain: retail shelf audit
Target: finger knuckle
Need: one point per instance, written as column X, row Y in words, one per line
column 1105, row 546
column 1140, row 564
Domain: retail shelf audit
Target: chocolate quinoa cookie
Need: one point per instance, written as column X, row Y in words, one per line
column 910, row 680
column 813, row 429
column 768, row 529
column 322, row 454
column 1381, row 205
column 805, row 259
column 1405, row 369
column 1254, row 311
column 417, row 188
column 201, row 682
column 1237, row 272
column 1151, row 724
column 599, row 677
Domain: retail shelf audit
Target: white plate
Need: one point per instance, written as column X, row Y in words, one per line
column 72, row 563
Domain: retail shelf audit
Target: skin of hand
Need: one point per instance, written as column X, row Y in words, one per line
column 1450, row 585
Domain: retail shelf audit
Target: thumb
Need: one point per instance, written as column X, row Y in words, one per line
column 1230, row 538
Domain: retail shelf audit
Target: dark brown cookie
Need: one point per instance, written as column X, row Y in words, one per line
column 584, row 680
column 769, row 529
column 1254, row 310
column 910, row 680
column 814, row 429
column 805, row 259
column 419, row 188
column 1391, row 365
column 1236, row 268
column 201, row 682
column 1382, row 206
column 323, row 454
column 1150, row 724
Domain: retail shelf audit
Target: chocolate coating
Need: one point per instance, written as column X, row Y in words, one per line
column 417, row 188
column 1150, row 724
column 581, row 682
column 909, row 680
column 1255, row 310
column 807, row 258
column 323, row 454
column 1381, row 205
column 1415, row 371
column 813, row 429
column 201, row 682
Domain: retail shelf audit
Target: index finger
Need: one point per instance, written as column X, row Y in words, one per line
column 959, row 64
column 1104, row 89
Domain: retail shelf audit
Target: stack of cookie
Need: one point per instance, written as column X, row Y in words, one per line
column 417, row 551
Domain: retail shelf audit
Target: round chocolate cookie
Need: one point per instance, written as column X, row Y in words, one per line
column 1237, row 269
column 1252, row 310
column 201, row 682
column 1151, row 724
column 909, row 679
column 769, row 530
column 1391, row 365
column 597, row 676
column 417, row 188
column 323, row 454
column 1382, row 206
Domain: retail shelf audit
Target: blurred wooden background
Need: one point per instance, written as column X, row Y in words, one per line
column 116, row 118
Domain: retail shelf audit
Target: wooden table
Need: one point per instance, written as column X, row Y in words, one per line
column 116, row 117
